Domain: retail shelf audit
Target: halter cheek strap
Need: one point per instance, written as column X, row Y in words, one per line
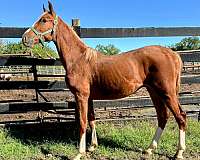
column 41, row 34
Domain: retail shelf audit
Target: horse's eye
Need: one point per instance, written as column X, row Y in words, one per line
column 43, row 20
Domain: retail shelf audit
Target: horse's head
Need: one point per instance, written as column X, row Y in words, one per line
column 42, row 30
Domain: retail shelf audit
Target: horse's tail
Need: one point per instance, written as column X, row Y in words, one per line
column 179, row 67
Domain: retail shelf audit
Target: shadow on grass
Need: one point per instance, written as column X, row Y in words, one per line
column 110, row 143
column 39, row 134
column 42, row 133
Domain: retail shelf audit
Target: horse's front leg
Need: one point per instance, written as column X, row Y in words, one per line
column 91, row 120
column 82, row 104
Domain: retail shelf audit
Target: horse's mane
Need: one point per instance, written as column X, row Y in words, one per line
column 90, row 53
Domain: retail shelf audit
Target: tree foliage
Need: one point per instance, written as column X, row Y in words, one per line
column 1, row 42
column 190, row 43
column 13, row 48
column 44, row 52
column 36, row 51
column 108, row 50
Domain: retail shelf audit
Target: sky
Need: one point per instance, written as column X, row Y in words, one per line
column 108, row 13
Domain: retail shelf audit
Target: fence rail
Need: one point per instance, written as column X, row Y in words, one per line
column 23, row 107
column 12, row 32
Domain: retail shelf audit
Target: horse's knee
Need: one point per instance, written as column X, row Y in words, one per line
column 181, row 120
column 83, row 127
column 183, row 115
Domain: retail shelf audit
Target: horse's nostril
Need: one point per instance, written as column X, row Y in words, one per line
column 24, row 39
column 27, row 41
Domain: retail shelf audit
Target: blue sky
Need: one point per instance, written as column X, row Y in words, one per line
column 109, row 13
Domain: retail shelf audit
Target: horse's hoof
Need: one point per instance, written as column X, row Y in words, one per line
column 179, row 154
column 177, row 157
column 92, row 148
column 148, row 151
column 78, row 157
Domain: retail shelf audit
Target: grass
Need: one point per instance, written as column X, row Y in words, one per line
column 124, row 140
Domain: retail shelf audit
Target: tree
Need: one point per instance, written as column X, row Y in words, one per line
column 36, row 51
column 13, row 48
column 44, row 52
column 1, row 42
column 190, row 43
column 1, row 45
column 108, row 50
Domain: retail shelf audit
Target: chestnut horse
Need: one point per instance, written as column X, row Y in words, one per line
column 91, row 75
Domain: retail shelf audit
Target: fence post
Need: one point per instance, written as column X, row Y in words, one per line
column 40, row 113
column 34, row 70
column 76, row 26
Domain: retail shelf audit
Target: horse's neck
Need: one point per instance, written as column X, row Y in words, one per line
column 68, row 44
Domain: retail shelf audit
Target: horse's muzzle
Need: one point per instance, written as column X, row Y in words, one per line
column 27, row 41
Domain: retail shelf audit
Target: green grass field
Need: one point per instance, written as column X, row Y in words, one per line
column 124, row 140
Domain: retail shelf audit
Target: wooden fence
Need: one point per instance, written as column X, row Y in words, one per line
column 41, row 86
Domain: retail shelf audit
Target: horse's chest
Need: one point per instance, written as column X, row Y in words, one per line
column 75, row 82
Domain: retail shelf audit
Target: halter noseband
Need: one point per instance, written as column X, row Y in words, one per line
column 41, row 34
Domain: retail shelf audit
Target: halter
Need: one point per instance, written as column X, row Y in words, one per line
column 41, row 34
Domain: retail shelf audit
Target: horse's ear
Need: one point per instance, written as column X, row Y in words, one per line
column 44, row 9
column 51, row 8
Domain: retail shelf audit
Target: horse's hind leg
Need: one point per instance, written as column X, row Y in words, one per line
column 91, row 119
column 162, row 116
column 180, row 116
